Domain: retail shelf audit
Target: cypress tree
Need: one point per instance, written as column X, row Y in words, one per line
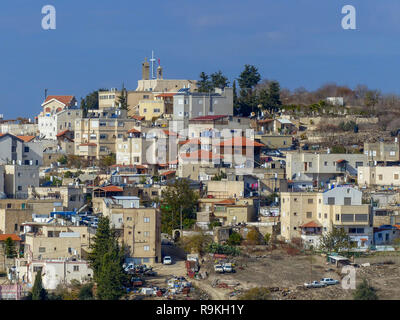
column 38, row 292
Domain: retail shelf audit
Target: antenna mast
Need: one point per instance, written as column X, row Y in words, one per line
column 152, row 60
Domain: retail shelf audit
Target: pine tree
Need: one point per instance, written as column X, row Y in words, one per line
column 38, row 292
column 100, row 246
column 204, row 84
column 11, row 252
column 106, row 259
column 111, row 278
column 123, row 99
column 218, row 80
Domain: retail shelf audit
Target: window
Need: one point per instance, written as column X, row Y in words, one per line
column 146, row 219
column 347, row 201
column 146, row 233
column 128, row 218
column 19, row 188
column 325, row 163
column 146, row 248
column 309, row 215
column 157, row 110
column 103, row 136
column 310, row 201
column 380, row 177
column 310, row 164
column 392, row 153
column 396, row 176
column 331, row 200
column 325, row 216
column 359, row 164
column 42, row 249
column 337, row 217
column 76, row 268
column 26, row 149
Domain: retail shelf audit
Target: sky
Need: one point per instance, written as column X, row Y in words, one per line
column 101, row 44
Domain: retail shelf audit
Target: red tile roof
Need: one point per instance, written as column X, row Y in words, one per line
column 226, row 201
column 208, row 118
column 61, row 133
column 63, row 99
column 14, row 237
column 191, row 141
column 133, row 131
column 311, row 224
column 166, row 95
column 26, row 138
column 140, row 118
column 240, row 141
column 170, row 133
column 167, row 173
column 200, row 155
column 111, row 189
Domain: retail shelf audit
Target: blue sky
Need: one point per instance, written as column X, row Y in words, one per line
column 102, row 44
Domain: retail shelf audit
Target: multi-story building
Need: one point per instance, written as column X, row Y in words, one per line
column 149, row 146
column 71, row 198
column 379, row 176
column 308, row 215
column 188, row 105
column 321, row 168
column 140, row 228
column 96, row 135
column 18, row 178
column 59, row 114
column 383, row 151
column 22, row 150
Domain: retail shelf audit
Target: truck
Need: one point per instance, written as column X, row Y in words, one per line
column 315, row 284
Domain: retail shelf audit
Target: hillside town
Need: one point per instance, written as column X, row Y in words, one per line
column 200, row 189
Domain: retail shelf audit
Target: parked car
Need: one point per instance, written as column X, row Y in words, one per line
column 228, row 267
column 315, row 284
column 329, row 281
column 218, row 268
column 137, row 282
column 167, row 260
column 274, row 153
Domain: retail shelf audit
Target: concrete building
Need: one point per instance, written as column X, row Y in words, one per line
column 12, row 219
column 96, row 135
column 59, row 114
column 140, row 230
column 71, row 198
column 17, row 180
column 188, row 105
column 379, row 176
column 322, row 168
column 383, row 151
column 21, row 150
column 54, row 272
column 307, row 215
column 149, row 146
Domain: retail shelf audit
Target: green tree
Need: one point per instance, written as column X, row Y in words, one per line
column 235, row 239
column 38, row 292
column 274, row 96
column 338, row 149
column 248, row 79
column 86, row 292
column 258, row 293
column 176, row 197
column 10, row 250
column 204, row 84
column 90, row 102
column 63, row 160
column 106, row 260
column 236, row 106
column 365, row 292
column 123, row 99
column 108, row 160
column 335, row 240
column 218, row 80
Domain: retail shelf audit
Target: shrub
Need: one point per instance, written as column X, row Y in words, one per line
column 235, row 239
column 259, row 293
column 365, row 292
